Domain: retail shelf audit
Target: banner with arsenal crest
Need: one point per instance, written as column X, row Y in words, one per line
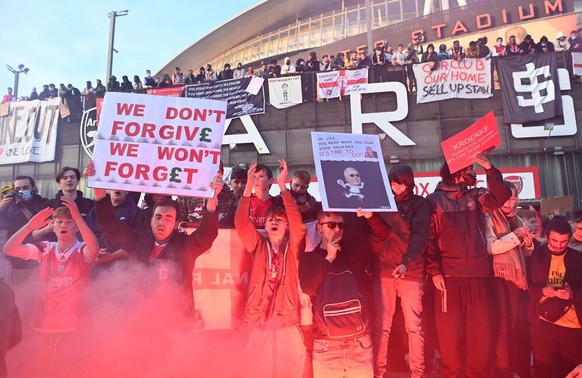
column 334, row 84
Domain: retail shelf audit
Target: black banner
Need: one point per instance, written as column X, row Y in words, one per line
column 531, row 89
column 240, row 102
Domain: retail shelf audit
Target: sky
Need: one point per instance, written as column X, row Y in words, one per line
column 66, row 41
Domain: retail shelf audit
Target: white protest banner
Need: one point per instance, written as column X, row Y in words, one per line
column 342, row 83
column 351, row 172
column 158, row 144
column 465, row 78
column 285, row 92
column 29, row 132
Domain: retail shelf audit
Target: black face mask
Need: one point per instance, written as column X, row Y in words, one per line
column 469, row 178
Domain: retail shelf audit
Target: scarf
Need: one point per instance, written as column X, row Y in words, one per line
column 509, row 266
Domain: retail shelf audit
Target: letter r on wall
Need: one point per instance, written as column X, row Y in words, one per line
column 383, row 119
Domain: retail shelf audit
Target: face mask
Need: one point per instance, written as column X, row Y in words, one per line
column 26, row 194
column 469, row 179
column 499, row 43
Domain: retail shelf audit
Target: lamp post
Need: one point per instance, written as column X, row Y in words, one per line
column 112, row 16
column 17, row 72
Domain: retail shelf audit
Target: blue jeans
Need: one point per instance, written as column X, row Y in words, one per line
column 386, row 290
column 349, row 359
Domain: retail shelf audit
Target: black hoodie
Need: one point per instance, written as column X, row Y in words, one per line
column 402, row 237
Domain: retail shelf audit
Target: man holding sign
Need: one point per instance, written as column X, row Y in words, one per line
column 169, row 255
column 458, row 261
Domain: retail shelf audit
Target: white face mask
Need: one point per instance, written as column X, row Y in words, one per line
column 499, row 43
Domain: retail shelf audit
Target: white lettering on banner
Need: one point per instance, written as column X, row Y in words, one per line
column 29, row 132
column 569, row 127
column 383, row 119
column 535, row 87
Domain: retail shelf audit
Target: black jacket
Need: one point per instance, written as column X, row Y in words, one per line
column 182, row 249
column 402, row 237
column 457, row 245
column 537, row 277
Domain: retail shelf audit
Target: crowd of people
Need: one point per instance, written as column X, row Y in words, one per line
column 470, row 268
column 383, row 56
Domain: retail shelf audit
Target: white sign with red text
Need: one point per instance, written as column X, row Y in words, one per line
column 158, row 144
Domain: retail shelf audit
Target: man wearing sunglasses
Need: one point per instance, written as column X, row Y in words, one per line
column 343, row 345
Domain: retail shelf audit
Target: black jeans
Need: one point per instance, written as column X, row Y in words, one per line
column 463, row 330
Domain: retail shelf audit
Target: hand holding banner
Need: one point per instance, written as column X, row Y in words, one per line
column 480, row 137
column 158, row 144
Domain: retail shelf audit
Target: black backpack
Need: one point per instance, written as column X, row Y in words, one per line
column 339, row 306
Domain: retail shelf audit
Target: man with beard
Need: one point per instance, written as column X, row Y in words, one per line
column 458, row 262
column 555, row 277
column 399, row 241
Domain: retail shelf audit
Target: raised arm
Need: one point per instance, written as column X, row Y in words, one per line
column 14, row 246
column 244, row 227
column 498, row 192
column 91, row 242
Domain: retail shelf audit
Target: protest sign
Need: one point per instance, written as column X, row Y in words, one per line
column 334, row 84
column 28, row 133
column 255, row 85
column 480, row 137
column 465, row 78
column 158, row 144
column 350, row 172
column 285, row 92
column 240, row 102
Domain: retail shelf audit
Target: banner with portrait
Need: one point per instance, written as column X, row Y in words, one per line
column 351, row 172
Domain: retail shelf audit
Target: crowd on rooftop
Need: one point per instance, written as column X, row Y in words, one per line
column 383, row 57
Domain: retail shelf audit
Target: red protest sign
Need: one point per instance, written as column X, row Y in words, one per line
column 480, row 137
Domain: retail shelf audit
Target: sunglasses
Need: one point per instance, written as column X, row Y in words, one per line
column 354, row 175
column 333, row 225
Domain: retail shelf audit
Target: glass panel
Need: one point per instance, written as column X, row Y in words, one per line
column 283, row 42
column 352, row 23
column 303, row 37
column 409, row 9
column 362, row 20
column 327, row 31
column 293, row 39
column 339, row 27
column 393, row 12
column 315, row 34
column 380, row 19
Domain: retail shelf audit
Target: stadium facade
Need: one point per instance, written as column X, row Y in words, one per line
column 410, row 133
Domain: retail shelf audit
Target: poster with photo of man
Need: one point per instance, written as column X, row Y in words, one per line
column 350, row 174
